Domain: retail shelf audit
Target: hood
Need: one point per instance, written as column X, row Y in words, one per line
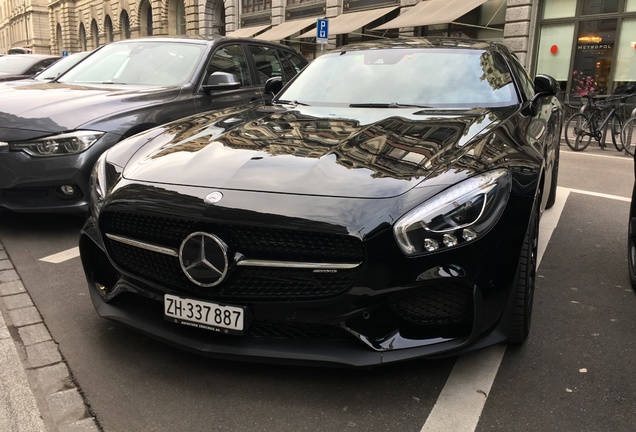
column 55, row 107
column 314, row 151
column 7, row 76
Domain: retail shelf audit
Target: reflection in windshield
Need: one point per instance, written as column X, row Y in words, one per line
column 138, row 63
column 435, row 77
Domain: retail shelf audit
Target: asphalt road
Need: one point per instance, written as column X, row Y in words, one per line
column 575, row 373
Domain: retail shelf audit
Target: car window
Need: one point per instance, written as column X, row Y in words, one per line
column 15, row 64
column 462, row 78
column 292, row 63
column 138, row 63
column 267, row 62
column 40, row 66
column 527, row 85
column 231, row 59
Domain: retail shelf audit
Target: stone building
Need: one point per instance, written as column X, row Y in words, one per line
column 584, row 44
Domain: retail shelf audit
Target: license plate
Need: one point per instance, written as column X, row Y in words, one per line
column 206, row 315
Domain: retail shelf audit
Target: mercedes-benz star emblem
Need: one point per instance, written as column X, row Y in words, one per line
column 213, row 197
column 203, row 258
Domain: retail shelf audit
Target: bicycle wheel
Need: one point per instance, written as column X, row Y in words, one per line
column 628, row 136
column 617, row 127
column 577, row 132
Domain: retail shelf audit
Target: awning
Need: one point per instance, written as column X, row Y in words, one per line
column 286, row 29
column 346, row 23
column 248, row 31
column 430, row 12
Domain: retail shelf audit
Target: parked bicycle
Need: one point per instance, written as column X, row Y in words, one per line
column 592, row 122
column 628, row 134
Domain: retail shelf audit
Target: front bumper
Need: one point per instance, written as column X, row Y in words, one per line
column 32, row 184
column 393, row 309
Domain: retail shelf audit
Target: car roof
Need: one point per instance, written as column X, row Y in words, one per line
column 204, row 40
column 34, row 56
column 423, row 42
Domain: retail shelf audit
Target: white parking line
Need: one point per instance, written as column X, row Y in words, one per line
column 62, row 256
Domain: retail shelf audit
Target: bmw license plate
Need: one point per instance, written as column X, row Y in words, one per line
column 205, row 315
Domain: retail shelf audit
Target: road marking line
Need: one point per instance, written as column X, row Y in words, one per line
column 62, row 256
column 462, row 400
column 601, row 195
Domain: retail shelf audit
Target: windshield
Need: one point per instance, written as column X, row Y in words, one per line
column 155, row 63
column 429, row 77
column 60, row 66
column 16, row 64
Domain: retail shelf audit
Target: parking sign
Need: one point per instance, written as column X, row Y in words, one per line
column 322, row 31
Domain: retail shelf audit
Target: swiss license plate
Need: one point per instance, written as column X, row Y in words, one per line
column 206, row 315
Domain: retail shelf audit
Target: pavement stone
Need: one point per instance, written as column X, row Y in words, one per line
column 37, row 389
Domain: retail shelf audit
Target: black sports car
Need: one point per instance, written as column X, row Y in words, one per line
column 383, row 207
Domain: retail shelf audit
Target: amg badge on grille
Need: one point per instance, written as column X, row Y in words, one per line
column 203, row 259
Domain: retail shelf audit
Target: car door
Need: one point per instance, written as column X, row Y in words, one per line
column 230, row 58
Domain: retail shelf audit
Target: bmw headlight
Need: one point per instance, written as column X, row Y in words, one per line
column 103, row 178
column 59, row 145
column 458, row 215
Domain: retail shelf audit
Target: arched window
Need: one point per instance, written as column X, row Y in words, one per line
column 214, row 18
column 58, row 39
column 124, row 24
column 177, row 18
column 94, row 34
column 108, row 29
column 82, row 37
column 145, row 18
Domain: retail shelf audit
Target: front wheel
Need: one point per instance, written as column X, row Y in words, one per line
column 617, row 127
column 628, row 136
column 525, row 281
column 578, row 133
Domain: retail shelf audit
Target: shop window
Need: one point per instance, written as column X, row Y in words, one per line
column 625, row 70
column 559, row 9
column 592, row 7
column 555, row 51
column 593, row 57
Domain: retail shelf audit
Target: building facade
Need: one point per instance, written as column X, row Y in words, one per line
column 587, row 45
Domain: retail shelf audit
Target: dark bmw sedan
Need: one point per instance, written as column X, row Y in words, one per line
column 384, row 206
column 51, row 133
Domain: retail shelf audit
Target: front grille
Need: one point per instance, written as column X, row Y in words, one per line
column 252, row 241
column 257, row 283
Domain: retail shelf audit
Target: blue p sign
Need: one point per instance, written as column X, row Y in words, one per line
column 322, row 29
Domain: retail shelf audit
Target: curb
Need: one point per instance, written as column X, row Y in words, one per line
column 48, row 398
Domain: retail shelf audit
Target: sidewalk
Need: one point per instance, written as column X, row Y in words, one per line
column 37, row 390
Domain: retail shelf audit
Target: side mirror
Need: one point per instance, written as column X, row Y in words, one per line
column 546, row 85
column 222, row 81
column 273, row 86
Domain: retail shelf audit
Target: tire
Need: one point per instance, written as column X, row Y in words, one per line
column 525, row 282
column 577, row 132
column 617, row 127
column 631, row 250
column 555, row 177
column 628, row 136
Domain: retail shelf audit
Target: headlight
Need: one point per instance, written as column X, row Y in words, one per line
column 460, row 214
column 103, row 178
column 59, row 145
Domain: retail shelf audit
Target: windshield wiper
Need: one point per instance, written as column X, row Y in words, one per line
column 385, row 105
column 288, row 102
